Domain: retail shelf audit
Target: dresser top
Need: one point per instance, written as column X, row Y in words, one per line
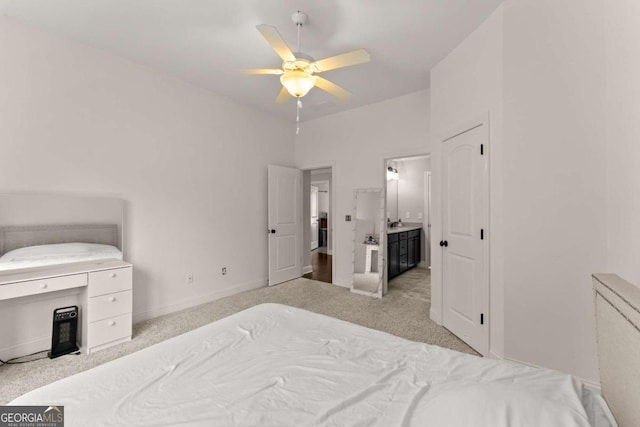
column 36, row 273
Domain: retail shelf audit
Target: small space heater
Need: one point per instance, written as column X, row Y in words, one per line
column 65, row 330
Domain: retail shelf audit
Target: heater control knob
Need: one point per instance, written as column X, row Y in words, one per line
column 112, row 323
column 43, row 286
column 113, row 275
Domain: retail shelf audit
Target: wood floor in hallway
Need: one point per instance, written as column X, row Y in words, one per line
column 322, row 270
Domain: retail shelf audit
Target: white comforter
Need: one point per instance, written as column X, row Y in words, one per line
column 59, row 253
column 274, row 365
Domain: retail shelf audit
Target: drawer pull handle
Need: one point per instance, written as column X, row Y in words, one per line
column 112, row 323
column 43, row 286
column 113, row 275
column 112, row 299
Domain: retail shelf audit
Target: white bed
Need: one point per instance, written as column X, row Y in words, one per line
column 55, row 254
column 274, row 365
column 53, row 244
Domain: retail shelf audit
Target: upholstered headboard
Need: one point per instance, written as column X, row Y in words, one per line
column 617, row 304
column 14, row 237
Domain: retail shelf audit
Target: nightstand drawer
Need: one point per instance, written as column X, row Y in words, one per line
column 109, row 305
column 107, row 330
column 110, row 281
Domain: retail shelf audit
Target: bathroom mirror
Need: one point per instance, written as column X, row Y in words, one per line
column 368, row 240
column 392, row 190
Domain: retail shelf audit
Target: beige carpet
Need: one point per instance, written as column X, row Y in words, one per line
column 403, row 312
column 415, row 283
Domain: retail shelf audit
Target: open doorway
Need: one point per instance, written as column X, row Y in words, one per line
column 408, row 228
column 318, row 236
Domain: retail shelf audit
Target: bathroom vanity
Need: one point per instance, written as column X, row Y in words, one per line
column 403, row 248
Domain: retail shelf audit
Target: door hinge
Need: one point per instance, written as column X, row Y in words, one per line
column 482, row 318
column 482, row 149
column 482, row 234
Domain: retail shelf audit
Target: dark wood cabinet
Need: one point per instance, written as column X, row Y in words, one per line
column 403, row 251
column 394, row 255
column 411, row 261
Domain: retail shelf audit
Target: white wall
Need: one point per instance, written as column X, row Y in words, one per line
column 392, row 195
column 467, row 85
column 411, row 188
column 326, row 198
column 554, row 181
column 622, row 32
column 77, row 120
column 356, row 142
column 537, row 68
column 323, row 197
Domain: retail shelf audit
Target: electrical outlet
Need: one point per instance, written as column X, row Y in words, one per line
column 224, row 271
column 347, row 218
column 189, row 278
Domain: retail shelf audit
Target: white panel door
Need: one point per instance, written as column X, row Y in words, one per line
column 314, row 217
column 464, row 245
column 285, row 224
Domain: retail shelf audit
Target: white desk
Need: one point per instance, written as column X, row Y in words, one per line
column 106, row 298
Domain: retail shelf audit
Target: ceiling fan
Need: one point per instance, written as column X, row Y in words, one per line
column 299, row 72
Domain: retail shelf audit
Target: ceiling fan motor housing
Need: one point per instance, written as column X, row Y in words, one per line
column 299, row 18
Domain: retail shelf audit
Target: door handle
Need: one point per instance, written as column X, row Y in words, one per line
column 444, row 243
column 271, row 231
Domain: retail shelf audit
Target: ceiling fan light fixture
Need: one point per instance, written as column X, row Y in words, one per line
column 297, row 83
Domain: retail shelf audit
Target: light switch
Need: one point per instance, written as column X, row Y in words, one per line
column 407, row 215
column 419, row 215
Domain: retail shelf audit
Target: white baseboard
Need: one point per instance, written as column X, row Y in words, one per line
column 329, row 251
column 435, row 316
column 365, row 293
column 308, row 269
column 592, row 385
column 191, row 302
column 495, row 355
column 342, row 282
column 24, row 348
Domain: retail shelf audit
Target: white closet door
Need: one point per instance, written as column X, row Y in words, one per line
column 464, row 248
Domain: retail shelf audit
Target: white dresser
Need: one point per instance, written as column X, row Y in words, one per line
column 105, row 298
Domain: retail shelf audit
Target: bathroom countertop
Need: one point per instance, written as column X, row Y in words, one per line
column 407, row 227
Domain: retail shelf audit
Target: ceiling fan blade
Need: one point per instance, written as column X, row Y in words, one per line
column 359, row 56
column 335, row 90
column 283, row 96
column 262, row 71
column 276, row 41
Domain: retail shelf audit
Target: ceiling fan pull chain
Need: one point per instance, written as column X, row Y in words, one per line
column 298, row 107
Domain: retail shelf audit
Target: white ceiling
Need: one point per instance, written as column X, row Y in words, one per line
column 208, row 42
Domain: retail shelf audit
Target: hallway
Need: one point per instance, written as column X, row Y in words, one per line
column 321, row 263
